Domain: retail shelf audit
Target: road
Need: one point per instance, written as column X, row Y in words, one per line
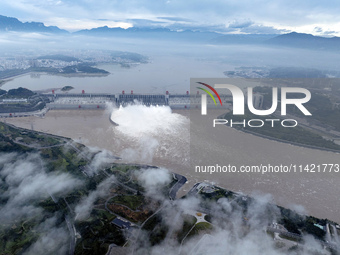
column 174, row 189
column 289, row 234
column 72, row 234
column 141, row 226
column 336, row 236
column 39, row 113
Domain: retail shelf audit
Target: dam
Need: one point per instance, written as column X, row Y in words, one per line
column 91, row 101
column 99, row 101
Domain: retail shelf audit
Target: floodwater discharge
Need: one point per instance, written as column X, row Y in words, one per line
column 162, row 137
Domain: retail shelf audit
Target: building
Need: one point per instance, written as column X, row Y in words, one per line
column 319, row 226
column 15, row 100
column 205, row 187
column 120, row 223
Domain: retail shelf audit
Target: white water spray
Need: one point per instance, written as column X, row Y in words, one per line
column 154, row 131
column 139, row 120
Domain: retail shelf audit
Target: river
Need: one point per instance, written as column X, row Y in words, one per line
column 171, row 142
column 312, row 193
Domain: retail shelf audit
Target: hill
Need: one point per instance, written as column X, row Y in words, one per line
column 154, row 33
column 300, row 40
column 13, row 24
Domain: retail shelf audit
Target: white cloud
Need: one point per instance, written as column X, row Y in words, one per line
column 27, row 182
column 84, row 208
column 280, row 14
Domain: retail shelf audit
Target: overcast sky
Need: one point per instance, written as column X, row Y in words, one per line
column 233, row 16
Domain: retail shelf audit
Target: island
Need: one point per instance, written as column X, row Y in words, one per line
column 67, row 88
column 75, row 63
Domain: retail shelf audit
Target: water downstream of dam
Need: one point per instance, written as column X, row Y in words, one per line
column 159, row 136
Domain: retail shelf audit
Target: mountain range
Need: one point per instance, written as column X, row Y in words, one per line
column 296, row 40
column 309, row 41
column 12, row 24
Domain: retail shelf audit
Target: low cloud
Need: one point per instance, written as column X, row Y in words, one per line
column 153, row 180
column 234, row 229
column 321, row 31
column 240, row 24
column 143, row 152
column 250, row 27
column 100, row 160
column 84, row 208
column 26, row 181
column 52, row 239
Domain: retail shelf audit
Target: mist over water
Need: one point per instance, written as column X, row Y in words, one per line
column 171, row 150
column 151, row 132
column 138, row 120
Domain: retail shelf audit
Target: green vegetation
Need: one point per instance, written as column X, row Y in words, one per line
column 271, row 234
column 297, row 135
column 124, row 169
column 29, row 138
column 59, row 57
column 217, row 194
column 290, row 220
column 18, row 237
column 208, row 218
column 12, row 72
column 188, row 222
column 31, row 102
column 298, row 224
column 291, row 225
column 98, row 233
column 201, row 228
column 157, row 229
column 82, row 68
column 20, row 93
column 12, row 108
column 7, row 145
column 123, row 174
column 129, row 56
column 322, row 103
column 315, row 231
column 133, row 202
column 13, row 240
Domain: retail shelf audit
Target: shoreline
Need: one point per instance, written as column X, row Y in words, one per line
column 181, row 184
column 288, row 142
column 239, row 129
column 3, row 81
column 285, row 141
column 99, row 123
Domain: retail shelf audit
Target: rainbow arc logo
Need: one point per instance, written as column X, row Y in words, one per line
column 209, row 93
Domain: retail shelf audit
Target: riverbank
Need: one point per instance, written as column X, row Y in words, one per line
column 315, row 192
column 286, row 141
column 299, row 136
column 3, row 81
